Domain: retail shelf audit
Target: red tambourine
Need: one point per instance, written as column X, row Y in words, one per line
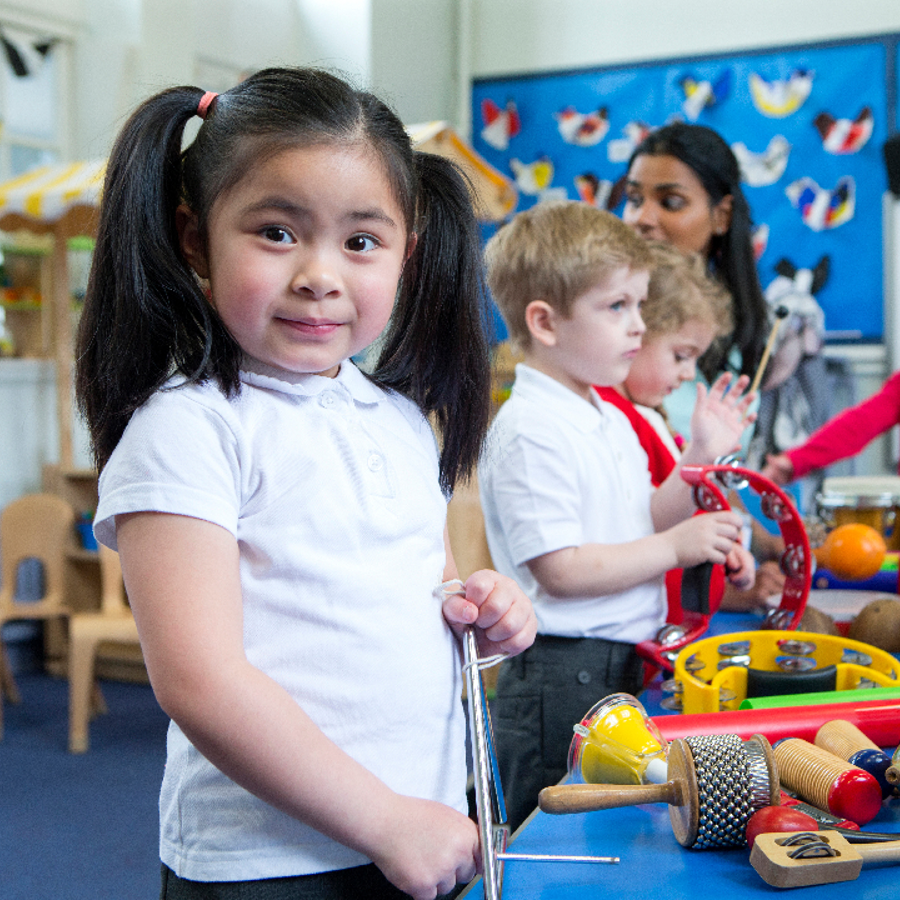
column 709, row 485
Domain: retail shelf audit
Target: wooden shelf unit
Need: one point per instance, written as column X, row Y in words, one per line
column 116, row 661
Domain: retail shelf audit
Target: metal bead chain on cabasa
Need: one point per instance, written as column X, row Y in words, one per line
column 723, row 782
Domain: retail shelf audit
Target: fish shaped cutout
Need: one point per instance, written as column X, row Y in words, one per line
column 593, row 190
column 820, row 208
column 842, row 136
column 700, row 94
column 783, row 97
column 501, row 124
column 760, row 169
column 532, row 178
column 620, row 149
column 759, row 239
column 582, row 129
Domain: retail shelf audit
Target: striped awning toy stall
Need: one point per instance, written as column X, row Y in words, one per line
column 60, row 200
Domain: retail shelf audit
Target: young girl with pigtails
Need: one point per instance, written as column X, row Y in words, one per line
column 280, row 515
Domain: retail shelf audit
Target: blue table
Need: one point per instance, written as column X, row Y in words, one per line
column 653, row 864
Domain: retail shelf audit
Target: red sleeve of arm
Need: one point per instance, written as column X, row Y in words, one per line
column 848, row 432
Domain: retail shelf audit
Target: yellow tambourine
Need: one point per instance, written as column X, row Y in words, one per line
column 719, row 673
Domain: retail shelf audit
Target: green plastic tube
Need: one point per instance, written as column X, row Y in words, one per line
column 858, row 696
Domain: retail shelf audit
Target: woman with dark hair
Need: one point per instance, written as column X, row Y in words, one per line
column 683, row 187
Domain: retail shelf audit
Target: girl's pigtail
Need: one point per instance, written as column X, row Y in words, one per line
column 436, row 348
column 145, row 316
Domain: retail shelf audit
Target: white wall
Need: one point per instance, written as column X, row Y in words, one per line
column 123, row 50
column 512, row 36
column 420, row 54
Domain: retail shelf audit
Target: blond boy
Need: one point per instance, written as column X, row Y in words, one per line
column 569, row 508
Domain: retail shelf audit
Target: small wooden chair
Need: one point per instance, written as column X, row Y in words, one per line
column 114, row 623
column 34, row 526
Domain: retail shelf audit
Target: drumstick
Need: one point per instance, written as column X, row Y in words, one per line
column 780, row 315
column 844, row 739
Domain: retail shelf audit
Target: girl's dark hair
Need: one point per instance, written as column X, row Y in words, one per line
column 731, row 254
column 146, row 317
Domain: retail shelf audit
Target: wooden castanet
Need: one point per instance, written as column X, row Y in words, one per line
column 815, row 857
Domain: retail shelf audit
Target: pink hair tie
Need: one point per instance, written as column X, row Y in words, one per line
column 204, row 104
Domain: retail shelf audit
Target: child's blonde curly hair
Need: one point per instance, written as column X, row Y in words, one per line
column 681, row 289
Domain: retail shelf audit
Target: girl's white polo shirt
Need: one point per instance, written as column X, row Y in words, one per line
column 330, row 486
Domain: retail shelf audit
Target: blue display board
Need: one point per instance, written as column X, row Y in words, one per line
column 807, row 123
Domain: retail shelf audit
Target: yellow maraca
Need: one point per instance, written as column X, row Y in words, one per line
column 617, row 743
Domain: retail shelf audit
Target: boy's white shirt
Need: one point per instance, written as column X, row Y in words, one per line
column 559, row 471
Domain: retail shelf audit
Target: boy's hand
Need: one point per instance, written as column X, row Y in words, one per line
column 778, row 468
column 427, row 848
column 769, row 582
column 719, row 418
column 709, row 537
column 496, row 606
column 740, row 567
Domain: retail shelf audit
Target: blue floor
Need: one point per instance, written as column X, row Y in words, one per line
column 80, row 827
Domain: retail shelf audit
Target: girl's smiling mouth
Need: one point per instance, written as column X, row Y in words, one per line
column 314, row 327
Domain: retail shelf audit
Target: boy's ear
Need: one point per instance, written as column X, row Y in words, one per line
column 189, row 238
column 540, row 318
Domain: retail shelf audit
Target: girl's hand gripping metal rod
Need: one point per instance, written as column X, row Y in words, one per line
column 492, row 827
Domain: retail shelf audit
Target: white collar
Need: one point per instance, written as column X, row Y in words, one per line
column 348, row 378
column 536, row 387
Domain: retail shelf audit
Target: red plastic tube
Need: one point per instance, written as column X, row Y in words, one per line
column 879, row 720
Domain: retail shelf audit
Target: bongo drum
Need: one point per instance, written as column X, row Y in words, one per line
column 872, row 500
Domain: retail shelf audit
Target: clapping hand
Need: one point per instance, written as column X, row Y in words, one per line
column 720, row 416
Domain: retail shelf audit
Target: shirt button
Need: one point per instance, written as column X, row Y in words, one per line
column 584, row 677
column 376, row 462
column 327, row 400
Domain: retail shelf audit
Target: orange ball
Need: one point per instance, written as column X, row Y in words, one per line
column 853, row 552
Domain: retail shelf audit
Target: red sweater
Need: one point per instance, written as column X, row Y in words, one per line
column 848, row 432
column 661, row 462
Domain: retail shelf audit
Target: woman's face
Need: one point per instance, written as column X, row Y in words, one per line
column 666, row 201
